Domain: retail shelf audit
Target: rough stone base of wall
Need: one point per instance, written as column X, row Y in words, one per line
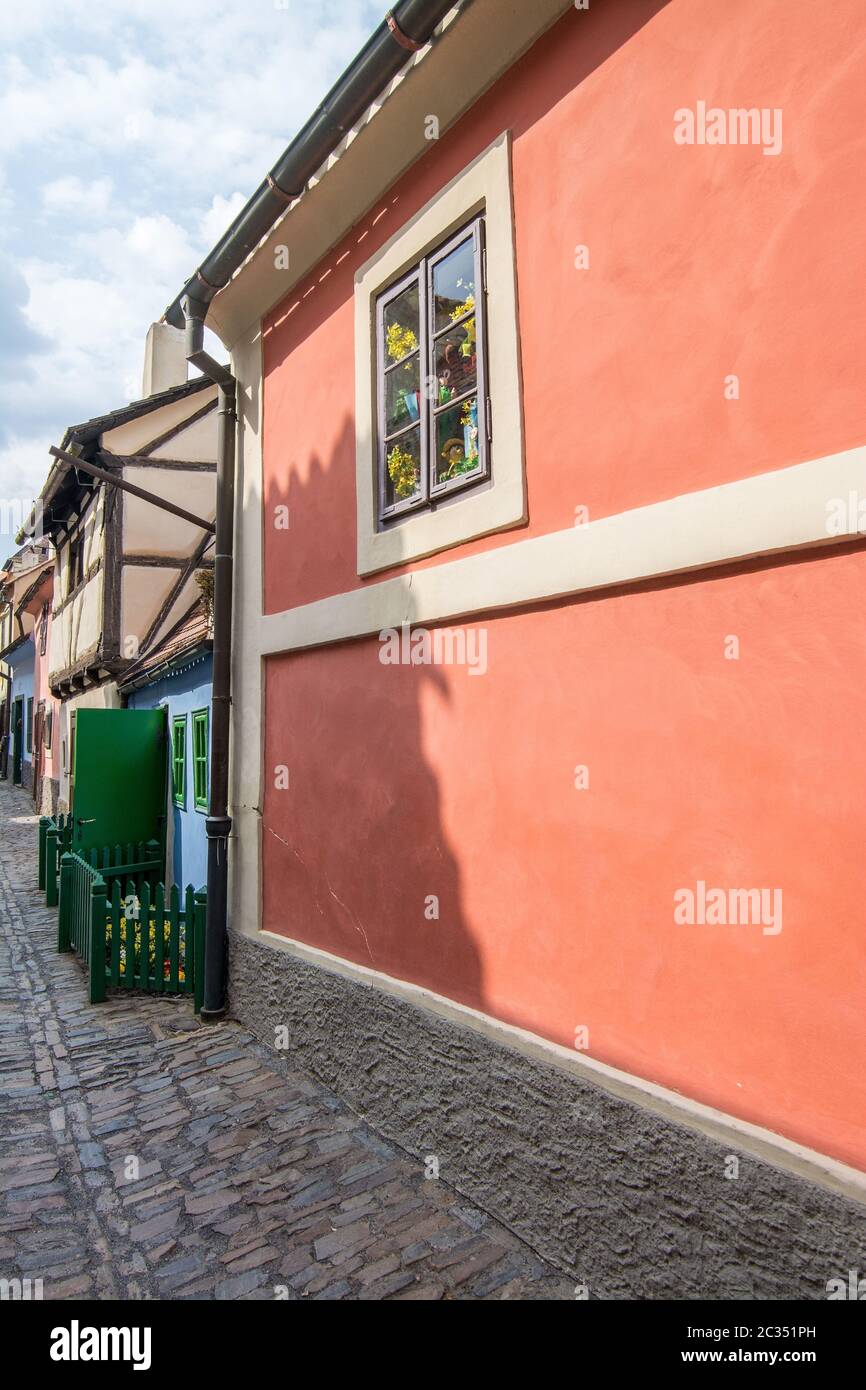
column 27, row 776
column 48, row 797
column 626, row 1201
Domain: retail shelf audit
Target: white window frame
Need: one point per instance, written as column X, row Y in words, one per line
column 484, row 186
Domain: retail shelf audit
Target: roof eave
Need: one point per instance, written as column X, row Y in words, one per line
column 447, row 77
column 168, row 668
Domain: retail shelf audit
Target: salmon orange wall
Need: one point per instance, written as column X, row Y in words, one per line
column 556, row 904
column 704, row 261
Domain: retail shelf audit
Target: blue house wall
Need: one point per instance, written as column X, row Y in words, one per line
column 182, row 693
column 21, row 664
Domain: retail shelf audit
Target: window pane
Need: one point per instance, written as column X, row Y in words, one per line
column 403, row 468
column 402, row 325
column 457, row 440
column 402, row 395
column 199, row 771
column 456, row 361
column 454, row 284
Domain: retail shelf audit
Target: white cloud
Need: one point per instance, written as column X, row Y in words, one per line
column 131, row 134
column 219, row 215
column 24, row 467
column 72, row 195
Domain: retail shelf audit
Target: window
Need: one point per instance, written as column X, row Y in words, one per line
column 456, row 464
column 76, row 562
column 43, row 630
column 48, row 727
column 178, row 761
column 30, row 725
column 199, row 759
column 433, row 415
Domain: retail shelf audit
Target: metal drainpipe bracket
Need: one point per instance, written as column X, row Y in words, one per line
column 218, row 827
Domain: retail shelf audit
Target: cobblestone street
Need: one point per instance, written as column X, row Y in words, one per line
column 254, row 1182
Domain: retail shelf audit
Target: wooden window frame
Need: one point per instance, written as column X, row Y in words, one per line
column 76, row 562
column 48, row 727
column 28, row 742
column 200, row 718
column 178, row 723
column 421, row 275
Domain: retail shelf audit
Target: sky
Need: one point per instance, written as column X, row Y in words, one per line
column 131, row 132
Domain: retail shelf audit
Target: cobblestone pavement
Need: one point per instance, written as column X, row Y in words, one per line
column 254, row 1181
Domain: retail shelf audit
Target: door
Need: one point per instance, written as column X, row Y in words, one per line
column 119, row 789
column 17, row 739
column 72, row 759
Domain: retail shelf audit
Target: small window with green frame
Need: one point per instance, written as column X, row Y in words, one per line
column 200, row 722
column 178, row 760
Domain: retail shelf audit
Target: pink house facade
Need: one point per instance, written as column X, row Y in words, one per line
column 547, row 789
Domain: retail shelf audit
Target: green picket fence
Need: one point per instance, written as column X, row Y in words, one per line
column 131, row 936
column 55, row 837
column 138, row 861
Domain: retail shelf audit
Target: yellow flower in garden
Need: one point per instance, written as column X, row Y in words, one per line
column 151, row 952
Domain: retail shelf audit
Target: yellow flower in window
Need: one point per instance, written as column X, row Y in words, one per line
column 399, row 341
column 403, row 471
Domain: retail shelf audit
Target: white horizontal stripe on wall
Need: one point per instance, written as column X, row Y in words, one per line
column 774, row 512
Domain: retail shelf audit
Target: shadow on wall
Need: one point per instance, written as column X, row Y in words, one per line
column 355, row 857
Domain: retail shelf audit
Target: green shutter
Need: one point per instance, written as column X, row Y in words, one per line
column 178, row 761
column 199, row 758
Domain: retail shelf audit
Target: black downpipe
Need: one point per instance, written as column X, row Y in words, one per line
column 407, row 27
column 218, row 822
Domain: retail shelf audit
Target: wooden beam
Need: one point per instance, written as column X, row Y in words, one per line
column 72, row 462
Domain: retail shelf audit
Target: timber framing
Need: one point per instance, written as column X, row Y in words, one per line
column 169, row 562
column 175, row 591
column 131, row 460
column 168, row 435
column 111, row 588
column 92, row 668
column 92, row 572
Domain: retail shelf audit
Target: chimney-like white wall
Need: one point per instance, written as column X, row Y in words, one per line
column 164, row 359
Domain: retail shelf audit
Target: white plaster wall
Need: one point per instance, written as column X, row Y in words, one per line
column 246, row 753
column 76, row 629
column 143, row 589
column 79, row 625
column 136, row 434
column 149, row 531
column 181, row 606
column 197, row 444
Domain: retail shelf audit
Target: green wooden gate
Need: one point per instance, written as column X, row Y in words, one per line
column 119, row 794
column 131, row 936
